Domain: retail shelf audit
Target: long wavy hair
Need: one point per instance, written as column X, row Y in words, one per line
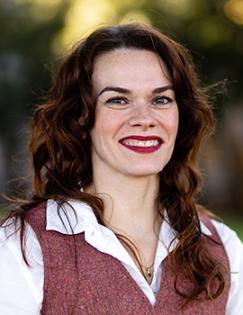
column 60, row 145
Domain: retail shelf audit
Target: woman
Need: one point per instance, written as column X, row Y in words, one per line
column 113, row 226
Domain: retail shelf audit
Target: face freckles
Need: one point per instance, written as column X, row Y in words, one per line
column 136, row 113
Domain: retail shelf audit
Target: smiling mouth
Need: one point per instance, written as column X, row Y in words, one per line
column 142, row 144
column 139, row 143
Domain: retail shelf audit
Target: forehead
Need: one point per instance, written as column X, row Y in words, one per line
column 129, row 67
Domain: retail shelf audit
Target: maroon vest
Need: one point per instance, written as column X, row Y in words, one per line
column 80, row 280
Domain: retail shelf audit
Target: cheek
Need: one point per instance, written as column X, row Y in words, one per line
column 107, row 124
column 99, row 126
column 171, row 123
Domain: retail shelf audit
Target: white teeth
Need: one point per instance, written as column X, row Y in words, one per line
column 139, row 143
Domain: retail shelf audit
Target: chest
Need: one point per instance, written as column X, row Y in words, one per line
column 81, row 280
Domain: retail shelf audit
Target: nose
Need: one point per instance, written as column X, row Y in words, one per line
column 142, row 116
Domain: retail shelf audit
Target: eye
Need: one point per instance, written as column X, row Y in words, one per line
column 162, row 100
column 117, row 100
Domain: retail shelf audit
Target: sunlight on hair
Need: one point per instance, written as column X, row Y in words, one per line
column 81, row 19
column 233, row 9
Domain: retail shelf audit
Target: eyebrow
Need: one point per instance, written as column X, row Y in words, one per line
column 127, row 91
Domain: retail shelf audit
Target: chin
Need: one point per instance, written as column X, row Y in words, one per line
column 140, row 172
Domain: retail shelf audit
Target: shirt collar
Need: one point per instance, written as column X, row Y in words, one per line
column 73, row 217
column 76, row 217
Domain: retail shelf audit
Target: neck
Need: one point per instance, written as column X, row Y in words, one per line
column 131, row 211
column 129, row 201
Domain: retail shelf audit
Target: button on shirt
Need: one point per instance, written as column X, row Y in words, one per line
column 21, row 287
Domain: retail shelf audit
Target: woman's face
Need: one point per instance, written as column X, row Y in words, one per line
column 136, row 114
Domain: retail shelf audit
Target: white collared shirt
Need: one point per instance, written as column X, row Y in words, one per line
column 21, row 287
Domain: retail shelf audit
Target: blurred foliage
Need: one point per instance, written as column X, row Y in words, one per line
column 235, row 224
column 35, row 32
column 207, row 28
column 25, row 52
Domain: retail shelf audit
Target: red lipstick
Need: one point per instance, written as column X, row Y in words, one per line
column 142, row 144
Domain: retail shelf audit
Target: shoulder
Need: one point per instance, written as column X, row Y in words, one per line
column 14, row 236
column 228, row 237
column 36, row 217
column 11, row 254
column 232, row 245
column 234, row 250
column 227, row 234
column 17, row 278
column 38, row 210
column 10, row 242
column 11, row 227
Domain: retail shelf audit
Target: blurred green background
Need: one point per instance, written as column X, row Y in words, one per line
column 36, row 33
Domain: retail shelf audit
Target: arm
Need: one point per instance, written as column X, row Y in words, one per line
column 21, row 287
column 234, row 249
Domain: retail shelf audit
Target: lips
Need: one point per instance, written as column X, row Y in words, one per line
column 142, row 144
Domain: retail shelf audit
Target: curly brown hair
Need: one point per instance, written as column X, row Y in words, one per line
column 60, row 144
